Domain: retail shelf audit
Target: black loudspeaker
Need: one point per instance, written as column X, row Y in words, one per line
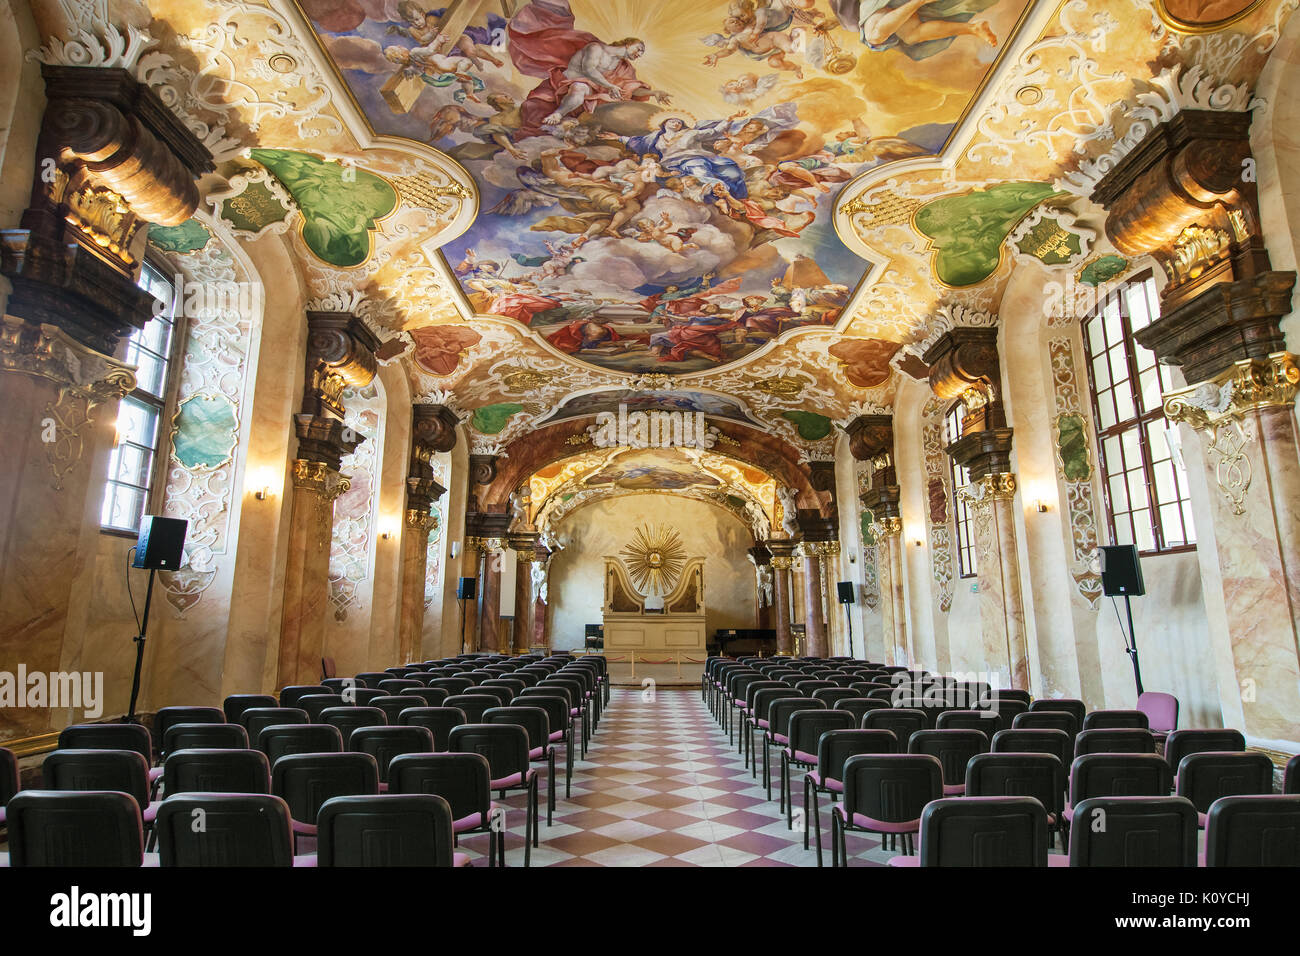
column 1121, row 574
column 467, row 589
column 845, row 589
column 161, row 542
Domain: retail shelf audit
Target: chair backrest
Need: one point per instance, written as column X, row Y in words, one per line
column 985, row 721
column 9, row 781
column 362, row 696
column 753, row 687
column 473, row 705
column 1035, row 741
column 314, row 704
column 1118, row 775
column 1261, row 830
column 504, row 745
column 510, row 683
column 306, row 781
column 395, row 685
column 1009, row 693
column 556, row 707
column 891, row 788
column 427, row 696
column 385, row 743
column 901, row 720
column 391, row 829
column 779, row 711
column 1133, row 831
column 289, row 696
column 463, row 780
column 503, row 695
column 372, row 678
column 107, row 737
column 1075, row 708
column 837, row 746
column 1046, row 719
column 1180, row 743
column 1205, row 777
column 256, row 718
column 205, row 737
column 534, row 720
column 1115, row 719
column 74, row 829
column 1161, row 710
column 1037, row 775
column 239, row 829
column 983, row 831
column 337, row 685
column 437, row 720
column 857, row 706
column 393, row 704
column 348, row 719
column 806, row 687
column 125, row 771
column 235, row 705
column 1291, row 775
column 830, row 696
column 217, row 771
column 952, row 748
column 807, row 726
column 167, row 716
column 1123, row 740
column 280, row 740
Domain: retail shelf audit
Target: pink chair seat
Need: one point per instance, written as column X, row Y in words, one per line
column 2, row 816
column 459, row 859
column 1058, row 859
column 954, row 789
column 151, row 812
column 306, row 860
column 780, row 739
column 830, row 783
column 537, row 753
column 514, row 780
column 555, row 735
column 304, row 829
column 864, row 822
column 802, row 756
column 472, row 821
column 155, row 773
column 762, row 722
column 904, row 861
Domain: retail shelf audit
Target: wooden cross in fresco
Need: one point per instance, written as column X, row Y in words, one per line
column 402, row 90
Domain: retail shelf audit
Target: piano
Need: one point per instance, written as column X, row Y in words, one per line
column 732, row 642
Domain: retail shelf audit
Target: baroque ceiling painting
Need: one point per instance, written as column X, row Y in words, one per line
column 657, row 180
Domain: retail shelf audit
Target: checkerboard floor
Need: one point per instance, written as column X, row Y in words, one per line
column 661, row 786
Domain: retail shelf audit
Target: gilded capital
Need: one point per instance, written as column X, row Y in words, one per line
column 887, row 527
column 418, row 520
column 46, row 351
column 782, row 563
column 1244, row 387
column 318, row 477
column 1000, row 486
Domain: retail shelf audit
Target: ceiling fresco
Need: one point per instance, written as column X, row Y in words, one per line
column 657, row 180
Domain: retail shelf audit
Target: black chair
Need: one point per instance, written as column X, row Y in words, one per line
column 452, row 685
column 1261, row 830
column 363, row 696
column 982, row 831
column 1037, row 775
column 1133, row 831
column 557, row 715
column 1180, row 743
column 371, row 679
column 464, row 781
column 804, row 731
column 289, row 696
column 235, row 705
column 74, row 829
column 347, row 719
column 1047, row 719
column 125, row 771
column 9, row 780
column 506, row 748
column 1030, row 741
column 884, row 794
column 903, row 721
column 985, row 721
column 395, row 685
column 204, row 737
column 1007, row 710
column 953, row 749
column 1075, row 708
column 428, row 696
column 167, row 716
column 1291, row 775
column 1116, row 775
column 1205, row 777
column 756, row 721
column 239, row 829
column 833, row 749
column 1115, row 720
column 108, row 737
column 858, row 707
column 537, row 725
column 778, row 728
column 473, row 705
column 503, row 695
column 406, row 829
column 217, row 771
column 393, row 704
column 255, row 719
column 306, row 781
column 316, row 704
column 437, row 720
column 384, row 743
column 280, row 740
column 1125, row 740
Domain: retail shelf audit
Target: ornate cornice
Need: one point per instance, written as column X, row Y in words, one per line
column 340, row 353
column 433, row 429
column 994, row 487
column 46, row 351
column 1247, row 386
column 318, row 477
column 420, row 521
column 482, row 469
column 325, row 440
column 983, row 452
column 887, row 527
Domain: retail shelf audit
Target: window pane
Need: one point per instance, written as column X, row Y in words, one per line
column 1118, row 494
column 123, row 507
column 1136, row 300
column 1123, row 530
column 1172, row 525
column 1100, row 373
column 1132, row 449
column 1146, row 539
column 1189, row 525
column 1166, row 489
column 1137, row 489
column 1114, row 324
column 1124, row 407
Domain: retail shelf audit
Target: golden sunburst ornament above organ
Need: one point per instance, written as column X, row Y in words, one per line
column 655, row 559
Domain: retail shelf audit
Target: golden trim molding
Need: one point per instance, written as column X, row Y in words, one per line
column 46, row 351
column 1246, row 386
column 1000, row 486
column 888, row 527
column 418, row 520
column 320, row 478
column 33, row 745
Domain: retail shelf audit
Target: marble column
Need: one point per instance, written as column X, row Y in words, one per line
column 1002, row 608
column 433, row 430
column 493, row 553
column 540, row 634
column 470, row 567
column 814, row 596
column 764, row 593
column 316, row 486
column 415, row 565
column 525, row 603
column 1252, row 459
column 782, row 562
column 889, row 553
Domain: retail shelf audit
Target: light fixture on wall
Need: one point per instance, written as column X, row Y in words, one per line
column 387, row 528
column 455, row 549
column 262, row 482
column 1041, row 505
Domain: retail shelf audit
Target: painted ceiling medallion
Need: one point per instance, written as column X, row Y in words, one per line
column 655, row 558
column 657, row 180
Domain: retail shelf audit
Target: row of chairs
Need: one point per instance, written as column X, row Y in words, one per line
column 249, row 749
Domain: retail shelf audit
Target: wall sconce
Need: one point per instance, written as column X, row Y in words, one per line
column 1041, row 505
column 387, row 529
column 455, row 549
column 262, row 481
column 919, row 544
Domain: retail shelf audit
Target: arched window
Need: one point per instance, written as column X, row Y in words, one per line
column 960, row 506
column 1147, row 501
column 136, row 465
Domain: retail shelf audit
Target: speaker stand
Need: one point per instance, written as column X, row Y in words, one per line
column 461, row 602
column 139, row 649
column 849, row 617
column 1132, row 647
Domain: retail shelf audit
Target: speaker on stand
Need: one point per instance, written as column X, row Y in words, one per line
column 1121, row 574
column 466, row 590
column 845, row 591
column 159, row 547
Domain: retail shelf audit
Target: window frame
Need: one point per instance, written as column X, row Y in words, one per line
column 1138, row 423
column 165, row 406
column 962, row 519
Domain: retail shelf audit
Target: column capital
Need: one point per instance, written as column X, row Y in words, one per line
column 890, row 526
column 320, row 478
column 487, row 545
column 983, row 452
column 340, row 353
column 995, row 487
column 324, row 439
column 46, row 351
column 1244, row 387
column 418, row 520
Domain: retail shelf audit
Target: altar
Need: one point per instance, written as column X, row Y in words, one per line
column 654, row 614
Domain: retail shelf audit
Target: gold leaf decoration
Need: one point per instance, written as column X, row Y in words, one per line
column 655, row 559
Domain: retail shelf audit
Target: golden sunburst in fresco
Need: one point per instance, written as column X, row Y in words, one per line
column 655, row 559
